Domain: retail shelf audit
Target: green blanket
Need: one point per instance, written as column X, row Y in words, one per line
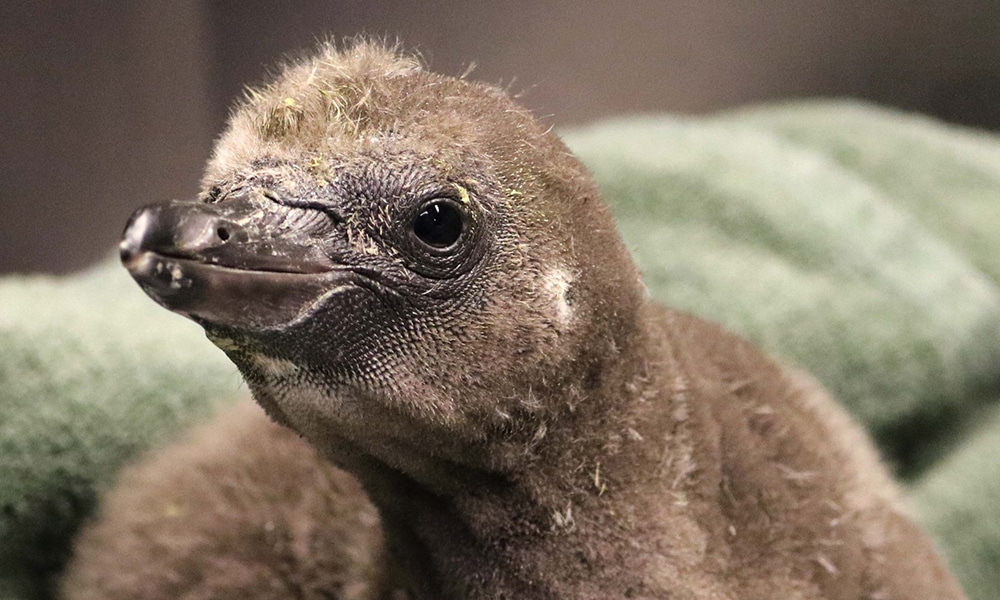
column 857, row 243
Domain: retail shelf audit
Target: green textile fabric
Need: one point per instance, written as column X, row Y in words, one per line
column 91, row 373
column 855, row 242
column 959, row 500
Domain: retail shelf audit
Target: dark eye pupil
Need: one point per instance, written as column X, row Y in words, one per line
column 438, row 225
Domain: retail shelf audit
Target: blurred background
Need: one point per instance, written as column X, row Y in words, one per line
column 105, row 106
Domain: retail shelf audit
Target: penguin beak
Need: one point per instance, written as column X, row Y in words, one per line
column 244, row 262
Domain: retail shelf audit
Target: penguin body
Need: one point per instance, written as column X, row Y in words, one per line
column 418, row 278
column 238, row 509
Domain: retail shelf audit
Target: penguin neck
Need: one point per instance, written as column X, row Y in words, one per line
column 448, row 514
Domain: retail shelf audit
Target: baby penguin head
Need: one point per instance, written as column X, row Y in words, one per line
column 381, row 248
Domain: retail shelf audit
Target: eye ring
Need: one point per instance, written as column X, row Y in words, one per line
column 439, row 224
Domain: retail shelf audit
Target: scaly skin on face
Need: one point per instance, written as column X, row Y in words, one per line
column 416, row 276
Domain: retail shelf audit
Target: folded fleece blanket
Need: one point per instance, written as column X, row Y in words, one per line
column 857, row 243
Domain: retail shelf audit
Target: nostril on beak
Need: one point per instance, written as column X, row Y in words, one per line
column 222, row 233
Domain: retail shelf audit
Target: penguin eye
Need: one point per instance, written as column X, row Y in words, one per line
column 439, row 224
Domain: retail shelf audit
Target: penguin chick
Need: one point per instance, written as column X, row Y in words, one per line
column 242, row 508
column 420, row 279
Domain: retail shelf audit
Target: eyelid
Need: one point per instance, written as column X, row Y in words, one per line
column 448, row 191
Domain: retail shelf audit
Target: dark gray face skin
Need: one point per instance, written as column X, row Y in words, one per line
column 408, row 232
column 257, row 259
column 360, row 292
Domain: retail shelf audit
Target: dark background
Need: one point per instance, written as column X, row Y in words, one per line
column 108, row 105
